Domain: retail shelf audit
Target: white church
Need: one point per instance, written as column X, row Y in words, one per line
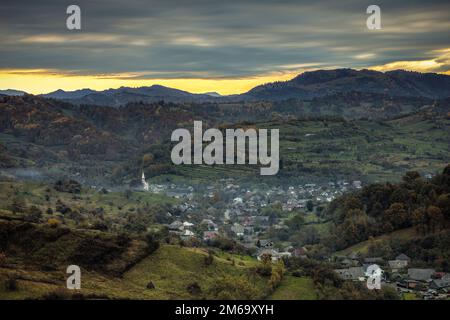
column 145, row 185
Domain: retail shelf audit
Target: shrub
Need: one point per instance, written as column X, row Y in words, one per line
column 228, row 288
column 277, row 276
column 34, row 214
column 194, row 288
column 2, row 258
column 70, row 186
column 150, row 285
column 58, row 294
column 264, row 270
column 209, row 259
column 53, row 223
column 11, row 284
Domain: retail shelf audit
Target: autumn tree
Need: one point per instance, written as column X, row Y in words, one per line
column 396, row 215
column 435, row 216
column 419, row 219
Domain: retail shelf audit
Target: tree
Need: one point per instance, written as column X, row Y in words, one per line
column 411, row 176
column 310, row 205
column 209, row 259
column 34, row 214
column 396, row 215
column 18, row 205
column 229, row 288
column 419, row 219
column 296, row 222
column 128, row 193
column 435, row 217
column 443, row 202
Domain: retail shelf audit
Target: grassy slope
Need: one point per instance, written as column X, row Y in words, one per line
column 362, row 247
column 170, row 268
column 294, row 288
column 375, row 151
column 33, row 193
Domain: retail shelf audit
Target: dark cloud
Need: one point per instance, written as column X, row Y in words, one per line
column 210, row 38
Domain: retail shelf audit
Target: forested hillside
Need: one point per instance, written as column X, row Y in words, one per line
column 378, row 209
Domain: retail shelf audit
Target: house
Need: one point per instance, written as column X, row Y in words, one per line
column 350, row 262
column 187, row 234
column 237, row 201
column 262, row 220
column 210, row 235
column 374, row 260
column 352, row 273
column 187, row 224
column 210, row 225
column 420, row 274
column 176, row 226
column 285, row 254
column 357, row 184
column 265, row 243
column 403, row 257
column 238, row 229
column 411, row 284
column 300, row 252
column 248, row 230
column 353, row 256
column 396, row 265
column 440, row 284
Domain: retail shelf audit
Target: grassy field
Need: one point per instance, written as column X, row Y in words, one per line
column 171, row 269
column 410, row 296
column 85, row 207
column 362, row 247
column 294, row 288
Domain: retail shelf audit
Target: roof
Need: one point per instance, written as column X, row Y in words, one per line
column 353, row 255
column 397, row 264
column 373, row 259
column 210, row 234
column 265, row 243
column 402, row 256
column 188, row 233
column 351, row 273
column 237, row 228
column 420, row 274
column 440, row 283
column 175, row 225
column 270, row 252
column 300, row 251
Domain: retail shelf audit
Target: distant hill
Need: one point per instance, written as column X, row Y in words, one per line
column 213, row 94
column 304, row 87
column 12, row 92
column 322, row 83
column 61, row 94
column 124, row 95
column 101, row 144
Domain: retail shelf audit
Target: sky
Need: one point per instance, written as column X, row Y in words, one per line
column 206, row 45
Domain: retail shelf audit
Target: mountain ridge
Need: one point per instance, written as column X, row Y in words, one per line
column 320, row 83
column 305, row 86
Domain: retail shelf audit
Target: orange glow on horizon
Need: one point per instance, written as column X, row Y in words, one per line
column 44, row 81
column 38, row 81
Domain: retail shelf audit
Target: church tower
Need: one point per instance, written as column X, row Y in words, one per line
column 144, row 183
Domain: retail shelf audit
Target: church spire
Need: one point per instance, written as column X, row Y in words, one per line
column 144, row 183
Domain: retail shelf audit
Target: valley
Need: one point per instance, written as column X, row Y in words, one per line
column 363, row 177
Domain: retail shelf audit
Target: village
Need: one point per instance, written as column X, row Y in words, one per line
column 245, row 214
column 240, row 212
column 398, row 274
